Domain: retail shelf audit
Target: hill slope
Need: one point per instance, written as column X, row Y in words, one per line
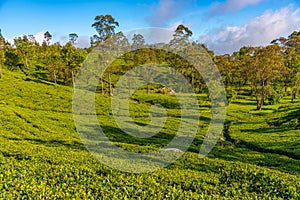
column 42, row 156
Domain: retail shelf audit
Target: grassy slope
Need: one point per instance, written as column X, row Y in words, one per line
column 41, row 154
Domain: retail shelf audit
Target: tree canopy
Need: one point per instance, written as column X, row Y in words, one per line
column 269, row 72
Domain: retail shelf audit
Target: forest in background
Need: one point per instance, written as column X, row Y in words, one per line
column 268, row 73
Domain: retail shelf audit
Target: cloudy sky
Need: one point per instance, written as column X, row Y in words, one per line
column 224, row 25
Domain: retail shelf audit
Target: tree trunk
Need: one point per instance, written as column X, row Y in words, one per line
column 293, row 96
column 262, row 101
column 294, row 93
column 192, row 79
column 285, row 90
column 258, row 104
column 110, row 87
column 73, row 78
column 0, row 71
column 26, row 63
column 102, row 85
column 148, row 88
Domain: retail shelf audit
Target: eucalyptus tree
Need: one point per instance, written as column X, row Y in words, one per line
column 267, row 66
column 47, row 37
column 54, row 63
column 291, row 47
column 112, row 49
column 293, row 64
column 117, row 45
column 225, row 66
column 181, row 45
column 73, row 37
column 72, row 58
column 182, row 32
column 105, row 26
column 244, row 58
column 138, row 42
column 26, row 50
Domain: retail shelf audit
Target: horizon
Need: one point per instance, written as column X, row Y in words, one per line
column 223, row 27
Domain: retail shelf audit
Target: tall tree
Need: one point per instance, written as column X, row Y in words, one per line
column 73, row 38
column 226, row 67
column 120, row 45
column 182, row 31
column 25, row 47
column 73, row 58
column 181, row 35
column 138, row 42
column 291, row 47
column 54, row 62
column 47, row 37
column 105, row 26
column 293, row 64
column 266, row 67
column 244, row 58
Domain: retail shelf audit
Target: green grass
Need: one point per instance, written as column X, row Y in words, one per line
column 271, row 130
column 42, row 155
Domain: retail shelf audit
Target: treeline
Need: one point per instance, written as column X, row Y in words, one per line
column 51, row 62
column 269, row 72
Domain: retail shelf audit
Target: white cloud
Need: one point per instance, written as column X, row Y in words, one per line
column 11, row 41
column 39, row 37
column 154, row 35
column 259, row 31
column 174, row 26
column 231, row 6
column 83, row 42
column 63, row 39
column 165, row 35
column 165, row 11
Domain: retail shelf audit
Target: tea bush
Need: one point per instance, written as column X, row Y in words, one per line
column 42, row 156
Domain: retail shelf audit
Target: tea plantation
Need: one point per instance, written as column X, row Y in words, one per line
column 42, row 156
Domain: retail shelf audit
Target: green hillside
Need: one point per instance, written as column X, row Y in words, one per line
column 42, row 156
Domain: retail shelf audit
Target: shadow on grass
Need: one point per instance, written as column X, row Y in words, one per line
column 257, row 148
column 36, row 80
column 284, row 118
column 263, row 159
column 52, row 143
column 160, row 140
column 117, row 135
column 267, row 130
column 17, row 156
column 244, row 103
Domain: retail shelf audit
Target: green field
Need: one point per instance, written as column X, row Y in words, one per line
column 42, row 156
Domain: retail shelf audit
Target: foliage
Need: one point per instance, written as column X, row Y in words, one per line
column 43, row 156
column 231, row 94
column 105, row 26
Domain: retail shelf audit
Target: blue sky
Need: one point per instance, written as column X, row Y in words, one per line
column 224, row 26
